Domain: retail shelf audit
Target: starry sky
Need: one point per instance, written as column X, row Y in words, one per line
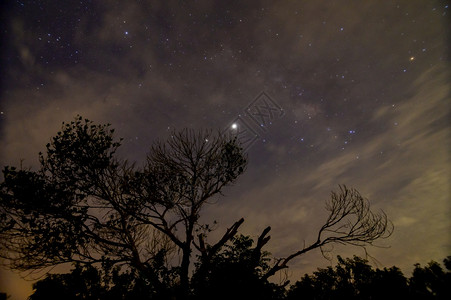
column 358, row 94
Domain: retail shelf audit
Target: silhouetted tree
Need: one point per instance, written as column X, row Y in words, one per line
column 389, row 283
column 431, row 281
column 89, row 282
column 350, row 222
column 81, row 283
column 356, row 279
column 351, row 279
column 235, row 273
column 86, row 206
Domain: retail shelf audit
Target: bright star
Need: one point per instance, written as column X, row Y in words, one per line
column 234, row 126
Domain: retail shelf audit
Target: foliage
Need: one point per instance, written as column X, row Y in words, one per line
column 84, row 205
column 356, row 279
column 235, row 273
column 431, row 281
column 89, row 282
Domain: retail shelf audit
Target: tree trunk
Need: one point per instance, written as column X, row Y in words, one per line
column 184, row 268
column 184, row 272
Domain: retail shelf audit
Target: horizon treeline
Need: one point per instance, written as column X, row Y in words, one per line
column 233, row 276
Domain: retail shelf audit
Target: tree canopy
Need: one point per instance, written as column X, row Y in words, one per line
column 85, row 205
column 234, row 274
column 354, row 278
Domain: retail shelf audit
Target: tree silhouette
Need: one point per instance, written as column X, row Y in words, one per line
column 350, row 222
column 431, row 281
column 356, row 279
column 89, row 282
column 81, row 283
column 351, row 279
column 389, row 283
column 236, row 272
column 84, row 205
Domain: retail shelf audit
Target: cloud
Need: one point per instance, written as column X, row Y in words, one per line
column 404, row 221
column 404, row 170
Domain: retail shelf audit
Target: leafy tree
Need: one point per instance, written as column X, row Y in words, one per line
column 431, row 281
column 81, row 283
column 351, row 279
column 89, row 282
column 356, row 279
column 84, row 205
column 235, row 273
column 389, row 284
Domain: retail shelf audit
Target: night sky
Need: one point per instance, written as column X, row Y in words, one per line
column 358, row 94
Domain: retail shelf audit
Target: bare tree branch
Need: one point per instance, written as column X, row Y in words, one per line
column 350, row 221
